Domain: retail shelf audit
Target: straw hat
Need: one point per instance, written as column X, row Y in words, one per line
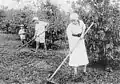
column 21, row 25
column 74, row 16
column 35, row 18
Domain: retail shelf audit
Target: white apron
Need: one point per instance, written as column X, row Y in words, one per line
column 22, row 34
column 79, row 55
column 40, row 28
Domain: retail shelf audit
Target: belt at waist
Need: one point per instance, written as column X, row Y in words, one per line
column 76, row 35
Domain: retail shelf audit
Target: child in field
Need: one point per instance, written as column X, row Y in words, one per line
column 22, row 34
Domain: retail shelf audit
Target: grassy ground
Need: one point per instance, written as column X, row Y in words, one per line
column 26, row 67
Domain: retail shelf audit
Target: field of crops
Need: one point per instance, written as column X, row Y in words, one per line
column 26, row 67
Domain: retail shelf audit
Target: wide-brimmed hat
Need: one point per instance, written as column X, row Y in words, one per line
column 21, row 25
column 35, row 19
column 74, row 16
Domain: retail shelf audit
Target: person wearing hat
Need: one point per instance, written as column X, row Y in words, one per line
column 75, row 31
column 39, row 35
column 22, row 34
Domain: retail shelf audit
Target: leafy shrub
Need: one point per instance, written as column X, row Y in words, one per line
column 48, row 12
column 13, row 18
column 103, row 39
column 58, row 23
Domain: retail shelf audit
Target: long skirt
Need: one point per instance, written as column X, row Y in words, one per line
column 40, row 38
column 79, row 55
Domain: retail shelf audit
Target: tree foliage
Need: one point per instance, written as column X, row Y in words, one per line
column 13, row 18
column 103, row 40
column 58, row 22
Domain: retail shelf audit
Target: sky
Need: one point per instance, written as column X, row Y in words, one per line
column 13, row 4
column 9, row 3
column 60, row 3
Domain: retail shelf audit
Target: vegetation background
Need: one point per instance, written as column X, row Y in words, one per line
column 26, row 67
column 102, row 41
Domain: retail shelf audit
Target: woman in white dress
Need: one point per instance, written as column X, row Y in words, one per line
column 75, row 31
column 22, row 34
column 40, row 28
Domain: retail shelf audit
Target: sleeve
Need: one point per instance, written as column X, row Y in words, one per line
column 83, row 26
column 19, row 32
column 46, row 23
column 35, row 27
column 36, row 30
column 68, row 31
column 24, row 32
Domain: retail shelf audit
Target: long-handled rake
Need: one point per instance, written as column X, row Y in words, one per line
column 33, row 39
column 29, row 41
column 49, row 80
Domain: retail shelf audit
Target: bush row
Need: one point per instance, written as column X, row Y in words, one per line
column 102, row 41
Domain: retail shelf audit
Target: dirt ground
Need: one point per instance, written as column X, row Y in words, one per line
column 26, row 67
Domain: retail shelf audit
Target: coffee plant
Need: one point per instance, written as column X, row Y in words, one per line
column 102, row 41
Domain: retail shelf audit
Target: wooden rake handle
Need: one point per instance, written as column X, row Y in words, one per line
column 30, row 41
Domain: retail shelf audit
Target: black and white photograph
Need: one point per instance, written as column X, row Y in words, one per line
column 59, row 41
